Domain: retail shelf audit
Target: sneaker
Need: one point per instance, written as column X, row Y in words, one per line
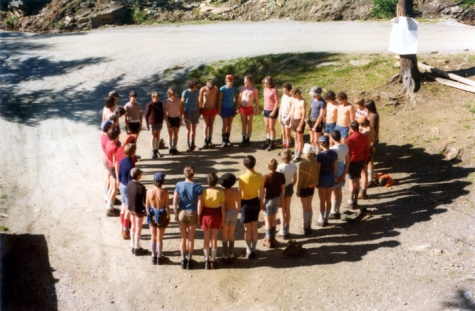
column 123, row 233
column 132, row 250
column 184, row 263
column 159, row 155
column 154, row 260
column 154, row 154
column 176, row 152
column 113, row 212
column 210, row 145
column 249, row 255
column 170, row 151
column 296, row 159
column 205, row 146
column 334, row 216
column 193, row 147
column 207, row 265
column 188, row 149
column 190, row 263
column 362, row 195
column 213, row 264
column 351, row 202
column 320, row 224
column 280, row 234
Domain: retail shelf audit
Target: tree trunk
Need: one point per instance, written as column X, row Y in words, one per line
column 409, row 74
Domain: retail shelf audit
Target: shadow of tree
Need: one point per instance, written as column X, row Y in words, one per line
column 27, row 281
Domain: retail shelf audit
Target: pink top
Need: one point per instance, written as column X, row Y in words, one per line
column 271, row 98
column 247, row 96
column 111, row 150
column 104, row 140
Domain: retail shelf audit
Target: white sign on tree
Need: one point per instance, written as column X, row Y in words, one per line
column 403, row 38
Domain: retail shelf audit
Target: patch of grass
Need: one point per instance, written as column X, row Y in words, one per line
column 465, row 3
column 470, row 107
column 138, row 16
column 3, row 229
column 431, row 139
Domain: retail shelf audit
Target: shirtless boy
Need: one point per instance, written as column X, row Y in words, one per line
column 232, row 207
column 228, row 98
column 367, row 130
column 133, row 115
column 298, row 112
column 345, row 113
column 173, row 114
column 189, row 106
column 158, row 216
column 154, row 120
column 332, row 111
column 208, row 102
column 284, row 115
column 248, row 106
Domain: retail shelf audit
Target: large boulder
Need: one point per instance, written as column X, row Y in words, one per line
column 24, row 7
column 97, row 19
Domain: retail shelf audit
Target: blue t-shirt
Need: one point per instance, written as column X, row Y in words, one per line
column 189, row 193
column 125, row 166
column 317, row 105
column 191, row 100
column 228, row 96
column 327, row 160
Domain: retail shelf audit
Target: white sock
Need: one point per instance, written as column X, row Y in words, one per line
column 213, row 254
column 132, row 239
column 159, row 248
column 137, row 241
column 206, row 253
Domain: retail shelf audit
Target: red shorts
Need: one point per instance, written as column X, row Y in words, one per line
column 210, row 112
column 246, row 110
column 211, row 218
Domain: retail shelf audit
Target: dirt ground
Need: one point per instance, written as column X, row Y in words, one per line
column 415, row 252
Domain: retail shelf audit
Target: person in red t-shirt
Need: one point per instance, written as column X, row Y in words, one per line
column 111, row 149
column 105, row 126
column 359, row 153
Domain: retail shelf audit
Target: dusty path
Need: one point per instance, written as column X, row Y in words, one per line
column 407, row 257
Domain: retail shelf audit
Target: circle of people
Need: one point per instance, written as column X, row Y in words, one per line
column 343, row 142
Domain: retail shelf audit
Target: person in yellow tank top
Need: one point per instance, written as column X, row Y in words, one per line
column 211, row 216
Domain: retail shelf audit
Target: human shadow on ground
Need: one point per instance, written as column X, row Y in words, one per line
column 429, row 184
column 462, row 300
column 27, row 281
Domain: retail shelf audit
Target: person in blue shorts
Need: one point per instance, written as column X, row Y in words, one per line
column 328, row 165
column 227, row 103
column 189, row 106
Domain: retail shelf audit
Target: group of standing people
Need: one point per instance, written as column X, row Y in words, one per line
column 342, row 141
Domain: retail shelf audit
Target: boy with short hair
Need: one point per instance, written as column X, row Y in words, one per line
column 232, row 207
column 251, row 187
column 298, row 112
column 332, row 111
column 188, row 193
column 274, row 185
column 190, row 109
column 207, row 100
column 227, row 101
column 154, row 121
column 133, row 115
column 137, row 194
column 345, row 113
column 359, row 152
column 173, row 116
column 248, row 107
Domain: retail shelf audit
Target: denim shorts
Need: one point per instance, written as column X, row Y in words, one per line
column 272, row 206
column 123, row 193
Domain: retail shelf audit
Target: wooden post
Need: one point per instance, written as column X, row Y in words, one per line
column 409, row 71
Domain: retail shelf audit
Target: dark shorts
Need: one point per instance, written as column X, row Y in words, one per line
column 344, row 130
column 157, row 126
column 134, row 127
column 289, row 191
column 376, row 143
column 228, row 112
column 319, row 128
column 329, row 127
column 355, row 169
column 209, row 112
column 246, row 110
column 327, row 181
column 211, row 218
column 139, row 214
column 174, row 122
column 250, row 210
column 295, row 124
column 268, row 112
column 306, row 192
column 192, row 117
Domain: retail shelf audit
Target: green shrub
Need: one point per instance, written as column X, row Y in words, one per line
column 386, row 8
column 465, row 3
column 11, row 21
column 139, row 16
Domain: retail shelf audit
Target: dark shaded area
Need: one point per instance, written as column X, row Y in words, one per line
column 27, row 281
column 466, row 73
column 460, row 301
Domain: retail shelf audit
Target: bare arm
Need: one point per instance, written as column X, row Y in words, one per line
column 167, row 205
column 256, row 100
column 200, row 98
column 220, row 102
column 175, row 204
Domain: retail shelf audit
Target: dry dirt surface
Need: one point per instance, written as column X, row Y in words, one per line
column 415, row 251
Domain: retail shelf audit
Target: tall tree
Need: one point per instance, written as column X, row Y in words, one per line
column 409, row 74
